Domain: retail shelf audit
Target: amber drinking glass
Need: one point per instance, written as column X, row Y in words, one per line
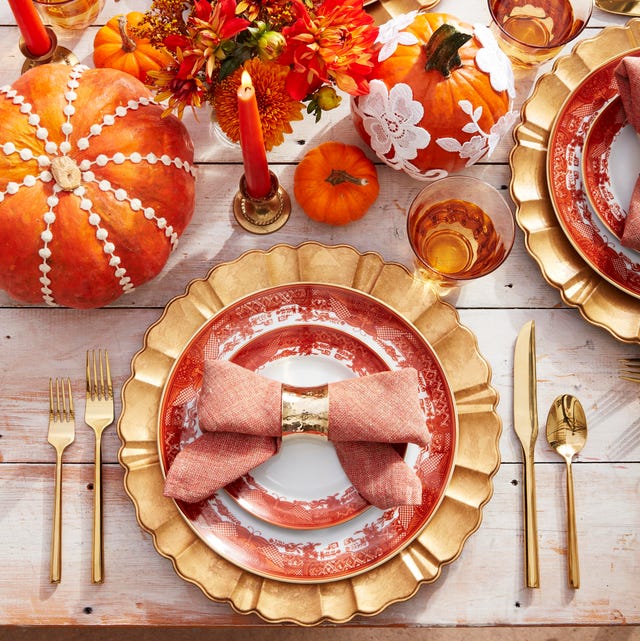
column 69, row 14
column 459, row 228
column 533, row 31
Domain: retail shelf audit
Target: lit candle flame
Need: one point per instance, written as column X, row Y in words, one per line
column 245, row 79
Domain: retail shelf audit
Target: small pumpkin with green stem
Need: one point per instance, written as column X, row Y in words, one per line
column 335, row 183
column 117, row 46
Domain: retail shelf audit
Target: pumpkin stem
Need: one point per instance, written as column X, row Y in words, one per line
column 128, row 43
column 442, row 49
column 338, row 176
column 66, row 173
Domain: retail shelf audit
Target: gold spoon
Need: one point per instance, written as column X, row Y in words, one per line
column 567, row 434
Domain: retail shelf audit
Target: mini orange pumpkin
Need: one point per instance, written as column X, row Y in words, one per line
column 114, row 46
column 335, row 183
column 440, row 95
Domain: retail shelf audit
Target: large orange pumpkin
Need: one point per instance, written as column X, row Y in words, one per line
column 440, row 95
column 95, row 186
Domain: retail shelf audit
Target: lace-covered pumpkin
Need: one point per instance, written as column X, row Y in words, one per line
column 440, row 96
column 95, row 186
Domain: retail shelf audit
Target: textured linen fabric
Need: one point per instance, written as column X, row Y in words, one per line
column 627, row 75
column 234, row 399
column 240, row 414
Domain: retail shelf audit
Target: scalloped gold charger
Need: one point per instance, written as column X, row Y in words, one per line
column 476, row 460
column 600, row 302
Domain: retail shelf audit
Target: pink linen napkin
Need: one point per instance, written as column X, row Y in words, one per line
column 627, row 75
column 240, row 413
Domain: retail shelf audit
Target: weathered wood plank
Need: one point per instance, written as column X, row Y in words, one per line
column 573, row 357
column 141, row 587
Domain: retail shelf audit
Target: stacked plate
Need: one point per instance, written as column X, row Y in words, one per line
column 297, row 517
column 285, row 540
column 574, row 166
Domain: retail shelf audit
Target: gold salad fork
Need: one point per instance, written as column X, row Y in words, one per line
column 98, row 415
column 61, row 434
column 630, row 369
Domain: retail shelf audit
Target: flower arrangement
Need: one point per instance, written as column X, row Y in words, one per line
column 296, row 51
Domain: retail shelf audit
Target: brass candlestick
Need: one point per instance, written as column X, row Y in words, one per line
column 56, row 53
column 262, row 215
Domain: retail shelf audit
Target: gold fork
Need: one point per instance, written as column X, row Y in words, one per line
column 98, row 415
column 61, row 434
column 630, row 369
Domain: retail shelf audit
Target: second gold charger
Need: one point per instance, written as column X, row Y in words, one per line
column 580, row 285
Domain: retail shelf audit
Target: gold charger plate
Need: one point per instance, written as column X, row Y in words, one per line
column 580, row 286
column 476, row 461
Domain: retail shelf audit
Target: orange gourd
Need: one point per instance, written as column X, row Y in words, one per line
column 95, row 185
column 335, row 183
column 438, row 103
column 116, row 47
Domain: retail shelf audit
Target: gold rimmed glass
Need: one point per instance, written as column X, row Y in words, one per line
column 531, row 32
column 460, row 228
column 69, row 14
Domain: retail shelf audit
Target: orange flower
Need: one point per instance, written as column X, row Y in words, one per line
column 209, row 28
column 297, row 50
column 179, row 87
column 335, row 44
column 277, row 110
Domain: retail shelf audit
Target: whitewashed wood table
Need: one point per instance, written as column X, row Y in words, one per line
column 485, row 585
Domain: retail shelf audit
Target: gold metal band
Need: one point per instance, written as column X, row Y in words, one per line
column 305, row 410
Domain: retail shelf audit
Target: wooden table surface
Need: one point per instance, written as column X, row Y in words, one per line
column 484, row 586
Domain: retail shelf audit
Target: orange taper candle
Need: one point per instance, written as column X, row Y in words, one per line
column 254, row 156
column 35, row 36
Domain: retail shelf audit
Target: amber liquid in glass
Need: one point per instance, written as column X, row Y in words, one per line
column 534, row 31
column 73, row 14
column 456, row 238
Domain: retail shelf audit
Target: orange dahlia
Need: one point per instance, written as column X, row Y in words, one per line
column 277, row 109
column 334, row 45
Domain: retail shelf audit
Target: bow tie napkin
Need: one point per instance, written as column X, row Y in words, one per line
column 240, row 414
column 627, row 75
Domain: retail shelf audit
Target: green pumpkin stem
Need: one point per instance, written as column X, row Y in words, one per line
column 338, row 176
column 442, row 49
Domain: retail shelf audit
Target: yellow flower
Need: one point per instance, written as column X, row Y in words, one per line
column 277, row 110
column 275, row 12
column 164, row 18
column 270, row 45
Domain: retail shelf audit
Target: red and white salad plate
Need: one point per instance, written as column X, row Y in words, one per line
column 611, row 165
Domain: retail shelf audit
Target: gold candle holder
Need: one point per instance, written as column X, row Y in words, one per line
column 262, row 215
column 56, row 53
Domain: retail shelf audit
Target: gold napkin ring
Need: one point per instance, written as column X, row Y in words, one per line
column 305, row 410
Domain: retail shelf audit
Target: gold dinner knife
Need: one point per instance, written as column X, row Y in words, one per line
column 525, row 422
